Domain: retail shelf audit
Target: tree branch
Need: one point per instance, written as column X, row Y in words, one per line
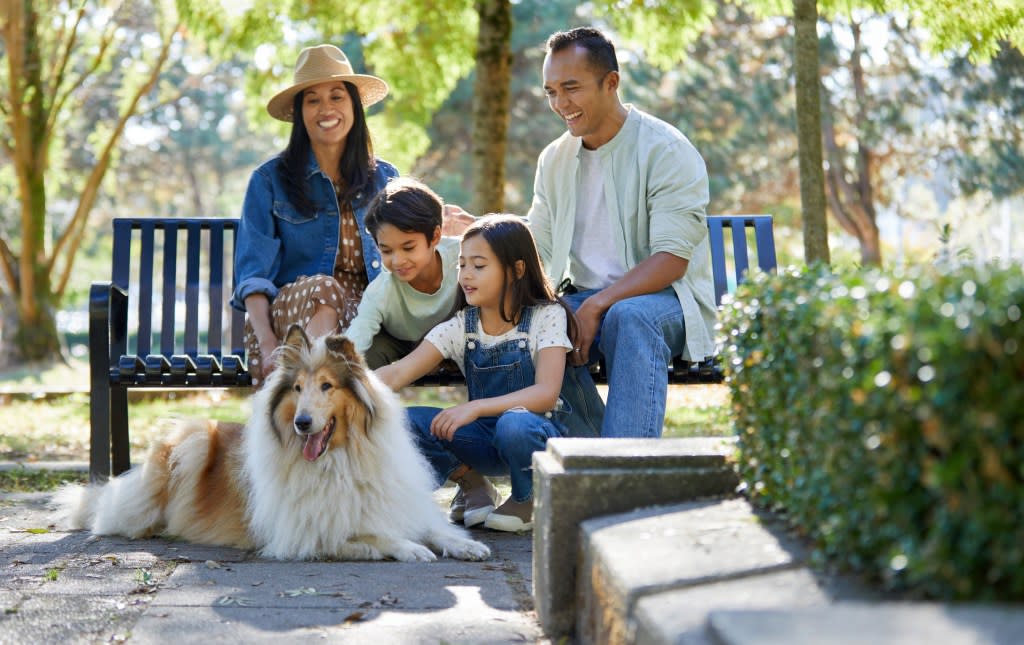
column 94, row 64
column 61, row 63
column 9, row 263
column 72, row 235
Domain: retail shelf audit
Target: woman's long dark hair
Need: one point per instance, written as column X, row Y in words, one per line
column 357, row 161
column 511, row 241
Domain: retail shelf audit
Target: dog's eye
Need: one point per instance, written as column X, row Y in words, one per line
column 325, row 386
column 298, row 388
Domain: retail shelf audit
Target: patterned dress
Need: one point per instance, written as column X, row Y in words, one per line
column 297, row 302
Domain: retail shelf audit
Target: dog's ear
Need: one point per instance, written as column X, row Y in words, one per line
column 341, row 347
column 296, row 337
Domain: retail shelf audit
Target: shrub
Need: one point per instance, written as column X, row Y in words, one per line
column 884, row 413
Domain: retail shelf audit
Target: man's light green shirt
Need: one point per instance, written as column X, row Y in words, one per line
column 656, row 189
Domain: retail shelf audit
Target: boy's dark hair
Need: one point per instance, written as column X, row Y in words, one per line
column 511, row 241
column 407, row 204
column 600, row 50
column 357, row 162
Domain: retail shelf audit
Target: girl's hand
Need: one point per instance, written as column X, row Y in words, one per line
column 451, row 419
column 389, row 374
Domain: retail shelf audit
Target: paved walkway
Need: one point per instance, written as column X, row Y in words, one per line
column 69, row 587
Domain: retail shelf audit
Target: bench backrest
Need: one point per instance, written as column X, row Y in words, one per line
column 183, row 264
column 764, row 243
column 181, row 261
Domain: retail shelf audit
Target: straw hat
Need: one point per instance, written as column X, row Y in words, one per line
column 318, row 65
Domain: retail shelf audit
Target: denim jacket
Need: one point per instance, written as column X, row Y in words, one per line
column 276, row 244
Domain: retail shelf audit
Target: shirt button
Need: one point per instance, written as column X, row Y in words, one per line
column 367, row 229
column 547, row 414
column 522, row 344
column 471, row 345
column 375, row 264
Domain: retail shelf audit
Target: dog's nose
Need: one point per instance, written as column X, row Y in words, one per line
column 303, row 422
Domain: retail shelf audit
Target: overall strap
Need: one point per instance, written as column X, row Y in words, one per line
column 524, row 320
column 471, row 321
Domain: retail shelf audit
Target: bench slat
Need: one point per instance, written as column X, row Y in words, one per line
column 216, row 291
column 192, row 289
column 168, row 289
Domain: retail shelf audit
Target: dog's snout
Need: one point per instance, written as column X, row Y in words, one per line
column 303, row 422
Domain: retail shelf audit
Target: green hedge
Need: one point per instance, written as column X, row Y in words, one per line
column 884, row 414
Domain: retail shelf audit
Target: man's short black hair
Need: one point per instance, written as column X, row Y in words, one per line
column 407, row 204
column 600, row 50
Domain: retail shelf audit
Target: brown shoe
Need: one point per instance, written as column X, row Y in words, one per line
column 480, row 494
column 511, row 516
column 457, row 509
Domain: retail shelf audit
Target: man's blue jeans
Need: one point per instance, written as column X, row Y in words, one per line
column 638, row 338
column 490, row 445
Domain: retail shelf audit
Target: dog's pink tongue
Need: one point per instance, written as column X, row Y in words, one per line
column 314, row 445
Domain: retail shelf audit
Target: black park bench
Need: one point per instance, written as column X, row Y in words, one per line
column 163, row 320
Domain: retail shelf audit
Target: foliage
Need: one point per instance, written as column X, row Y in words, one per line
column 881, row 411
column 420, row 48
column 57, row 56
column 25, row 480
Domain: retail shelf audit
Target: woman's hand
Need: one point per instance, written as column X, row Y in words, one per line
column 268, row 344
column 451, row 419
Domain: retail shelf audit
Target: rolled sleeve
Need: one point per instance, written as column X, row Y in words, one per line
column 257, row 248
column 677, row 200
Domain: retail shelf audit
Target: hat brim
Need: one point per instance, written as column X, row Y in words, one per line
column 371, row 90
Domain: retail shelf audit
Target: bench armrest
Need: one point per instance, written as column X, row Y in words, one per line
column 108, row 326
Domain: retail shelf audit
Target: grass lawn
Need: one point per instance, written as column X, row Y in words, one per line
column 50, row 426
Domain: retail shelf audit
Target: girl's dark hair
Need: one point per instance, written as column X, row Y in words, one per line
column 511, row 241
column 407, row 204
column 357, row 162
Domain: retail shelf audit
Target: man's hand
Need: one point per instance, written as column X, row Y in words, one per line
column 455, row 220
column 588, row 317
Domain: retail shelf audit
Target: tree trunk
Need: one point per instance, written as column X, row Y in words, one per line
column 33, row 336
column 490, row 104
column 808, row 129
column 852, row 203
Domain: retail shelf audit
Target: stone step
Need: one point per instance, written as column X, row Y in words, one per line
column 579, row 479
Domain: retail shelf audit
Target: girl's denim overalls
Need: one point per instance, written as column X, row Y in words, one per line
column 492, row 445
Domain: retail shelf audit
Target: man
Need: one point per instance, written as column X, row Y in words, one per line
column 618, row 213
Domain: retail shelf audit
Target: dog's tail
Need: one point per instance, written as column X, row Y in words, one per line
column 131, row 504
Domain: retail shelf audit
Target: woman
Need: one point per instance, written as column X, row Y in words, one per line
column 303, row 253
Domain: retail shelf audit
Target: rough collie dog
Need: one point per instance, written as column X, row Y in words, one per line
column 326, row 468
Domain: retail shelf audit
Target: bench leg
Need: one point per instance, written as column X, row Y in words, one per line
column 119, row 445
column 99, row 430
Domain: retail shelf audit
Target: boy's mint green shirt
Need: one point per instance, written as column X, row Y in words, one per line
column 403, row 312
column 656, row 189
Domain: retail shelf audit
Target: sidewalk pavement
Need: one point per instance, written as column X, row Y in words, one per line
column 68, row 587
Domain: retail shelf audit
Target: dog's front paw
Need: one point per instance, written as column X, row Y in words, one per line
column 467, row 550
column 412, row 552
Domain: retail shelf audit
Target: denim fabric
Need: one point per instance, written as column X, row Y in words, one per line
column 638, row 338
column 491, row 445
column 276, row 244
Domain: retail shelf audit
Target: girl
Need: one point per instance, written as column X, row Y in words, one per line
column 303, row 254
column 510, row 339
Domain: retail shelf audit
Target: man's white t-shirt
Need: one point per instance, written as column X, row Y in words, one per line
column 593, row 257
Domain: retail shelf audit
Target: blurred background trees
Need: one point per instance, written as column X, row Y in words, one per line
column 158, row 107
